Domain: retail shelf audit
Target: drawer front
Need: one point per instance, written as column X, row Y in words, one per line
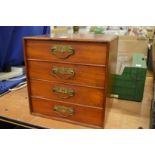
column 68, row 93
column 64, row 111
column 76, row 52
column 84, row 75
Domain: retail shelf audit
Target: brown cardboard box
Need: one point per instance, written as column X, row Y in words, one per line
column 132, row 44
column 127, row 46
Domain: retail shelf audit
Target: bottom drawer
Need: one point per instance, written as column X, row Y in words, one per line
column 67, row 112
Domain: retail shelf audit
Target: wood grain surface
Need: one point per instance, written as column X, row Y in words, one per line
column 84, row 75
column 82, row 95
column 87, row 115
column 84, row 53
column 83, row 63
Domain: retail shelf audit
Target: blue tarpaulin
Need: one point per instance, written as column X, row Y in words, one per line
column 11, row 43
column 11, row 83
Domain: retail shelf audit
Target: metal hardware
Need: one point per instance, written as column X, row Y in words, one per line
column 63, row 110
column 63, row 72
column 62, row 52
column 63, row 92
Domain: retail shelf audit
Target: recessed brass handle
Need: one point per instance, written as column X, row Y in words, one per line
column 62, row 52
column 63, row 73
column 63, row 93
column 63, row 110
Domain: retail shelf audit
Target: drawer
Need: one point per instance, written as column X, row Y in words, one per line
column 68, row 93
column 68, row 112
column 77, row 74
column 59, row 51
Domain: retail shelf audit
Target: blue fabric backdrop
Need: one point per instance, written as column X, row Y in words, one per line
column 11, row 43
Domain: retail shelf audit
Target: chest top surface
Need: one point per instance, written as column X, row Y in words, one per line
column 76, row 37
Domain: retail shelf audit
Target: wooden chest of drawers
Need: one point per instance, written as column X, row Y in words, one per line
column 69, row 76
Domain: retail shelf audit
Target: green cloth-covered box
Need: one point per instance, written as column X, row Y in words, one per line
column 130, row 84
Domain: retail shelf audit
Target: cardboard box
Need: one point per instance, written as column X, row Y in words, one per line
column 129, row 45
column 132, row 44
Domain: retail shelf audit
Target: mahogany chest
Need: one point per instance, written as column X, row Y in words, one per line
column 69, row 77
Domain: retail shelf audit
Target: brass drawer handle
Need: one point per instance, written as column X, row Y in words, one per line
column 63, row 110
column 62, row 52
column 63, row 93
column 63, row 73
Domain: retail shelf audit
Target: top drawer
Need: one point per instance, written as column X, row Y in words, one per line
column 67, row 51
